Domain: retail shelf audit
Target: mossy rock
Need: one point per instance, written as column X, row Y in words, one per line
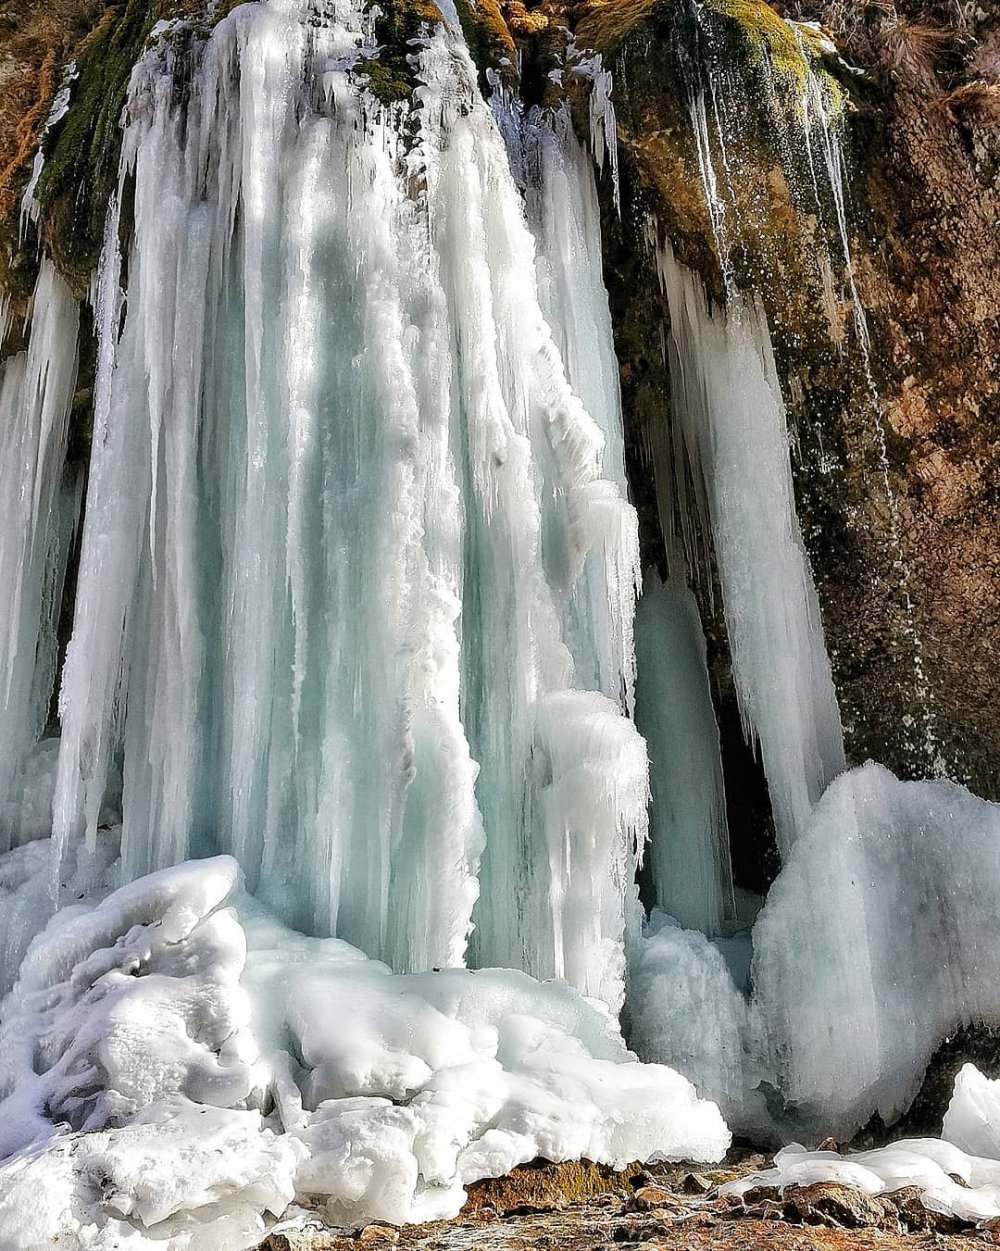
column 389, row 75
column 491, row 44
column 82, row 153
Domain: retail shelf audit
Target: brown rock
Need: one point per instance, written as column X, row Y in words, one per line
column 648, row 1198
column 696, row 1184
column 829, row 1203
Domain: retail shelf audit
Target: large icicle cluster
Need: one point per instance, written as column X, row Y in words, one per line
column 39, row 509
column 354, row 604
column 732, row 439
column 349, row 535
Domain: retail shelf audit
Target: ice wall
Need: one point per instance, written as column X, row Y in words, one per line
column 352, row 540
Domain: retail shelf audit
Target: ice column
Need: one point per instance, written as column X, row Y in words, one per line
column 689, row 838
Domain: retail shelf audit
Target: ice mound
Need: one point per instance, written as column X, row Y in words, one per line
column 959, row 1174
column 878, row 938
column 972, row 1121
column 176, row 1064
column 405, row 1088
column 685, row 1009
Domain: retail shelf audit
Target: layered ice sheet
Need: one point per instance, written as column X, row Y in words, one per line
column 178, row 1063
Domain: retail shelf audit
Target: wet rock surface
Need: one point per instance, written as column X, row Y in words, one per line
column 660, row 1207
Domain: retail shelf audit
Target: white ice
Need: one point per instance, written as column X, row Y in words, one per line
column 877, row 940
column 176, row 1062
column 732, row 439
column 39, row 508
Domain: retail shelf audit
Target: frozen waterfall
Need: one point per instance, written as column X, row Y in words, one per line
column 336, row 604
column 332, row 735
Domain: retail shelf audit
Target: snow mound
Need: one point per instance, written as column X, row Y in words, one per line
column 176, row 1064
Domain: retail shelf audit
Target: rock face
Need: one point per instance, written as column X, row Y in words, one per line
column 896, row 458
column 896, row 421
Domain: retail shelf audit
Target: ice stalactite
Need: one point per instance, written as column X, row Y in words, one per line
column 731, row 427
column 564, row 215
column 39, row 508
column 804, row 114
column 330, row 573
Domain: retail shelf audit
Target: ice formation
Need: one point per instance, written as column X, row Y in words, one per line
column 355, row 606
column 39, row 507
column 689, row 838
column 325, row 623
column 176, row 1062
column 733, row 441
column 878, row 939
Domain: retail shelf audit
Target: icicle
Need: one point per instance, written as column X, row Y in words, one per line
column 819, row 125
column 603, row 123
column 30, row 208
column 112, row 532
column 564, row 216
column 40, row 505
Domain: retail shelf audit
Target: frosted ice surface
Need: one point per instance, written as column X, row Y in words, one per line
column 689, row 838
column 879, row 938
column 972, row 1121
column 686, row 1011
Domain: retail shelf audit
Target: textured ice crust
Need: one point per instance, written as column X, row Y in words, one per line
column 154, row 1078
column 959, row 1174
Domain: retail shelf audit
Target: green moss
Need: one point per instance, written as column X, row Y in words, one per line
column 81, row 165
column 82, row 153
column 790, row 51
column 389, row 74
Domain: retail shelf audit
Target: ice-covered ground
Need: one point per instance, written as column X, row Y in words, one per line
column 959, row 1173
column 175, row 1062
